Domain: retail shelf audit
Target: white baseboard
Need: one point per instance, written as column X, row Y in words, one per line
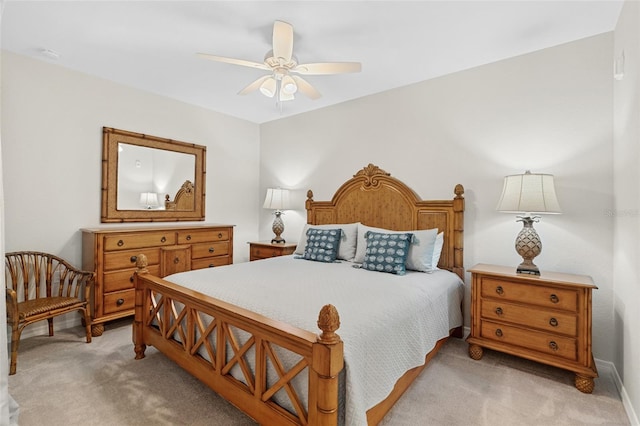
column 607, row 367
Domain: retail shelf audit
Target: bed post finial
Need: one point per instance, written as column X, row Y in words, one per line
column 142, row 263
column 458, row 190
column 329, row 322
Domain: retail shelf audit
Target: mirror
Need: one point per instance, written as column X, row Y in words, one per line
column 151, row 179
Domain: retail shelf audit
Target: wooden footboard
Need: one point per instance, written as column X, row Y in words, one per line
column 200, row 333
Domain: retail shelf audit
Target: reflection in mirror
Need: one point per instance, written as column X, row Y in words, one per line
column 150, row 179
column 143, row 171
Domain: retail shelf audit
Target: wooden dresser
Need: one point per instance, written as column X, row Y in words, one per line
column 265, row 249
column 111, row 253
column 544, row 318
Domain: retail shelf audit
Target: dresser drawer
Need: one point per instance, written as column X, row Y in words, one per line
column 563, row 347
column 127, row 259
column 119, row 301
column 209, row 249
column 209, row 262
column 531, row 294
column 139, row 240
column 545, row 320
column 190, row 237
column 123, row 280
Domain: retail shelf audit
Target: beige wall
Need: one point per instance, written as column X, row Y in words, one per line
column 52, row 139
column 548, row 111
column 626, row 266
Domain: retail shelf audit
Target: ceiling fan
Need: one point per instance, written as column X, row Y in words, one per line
column 284, row 80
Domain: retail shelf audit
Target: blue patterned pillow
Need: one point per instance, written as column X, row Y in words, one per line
column 322, row 244
column 386, row 252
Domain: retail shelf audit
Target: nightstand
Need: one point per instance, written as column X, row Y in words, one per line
column 545, row 318
column 265, row 249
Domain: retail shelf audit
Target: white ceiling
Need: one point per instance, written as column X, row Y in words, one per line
column 151, row 45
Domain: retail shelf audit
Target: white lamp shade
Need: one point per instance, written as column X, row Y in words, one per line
column 288, row 85
column 277, row 199
column 268, row 88
column 529, row 193
column 149, row 199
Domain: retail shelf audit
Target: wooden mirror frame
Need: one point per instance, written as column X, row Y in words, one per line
column 110, row 213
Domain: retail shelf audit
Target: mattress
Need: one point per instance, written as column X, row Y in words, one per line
column 388, row 322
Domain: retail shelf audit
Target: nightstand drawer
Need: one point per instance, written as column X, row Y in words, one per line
column 545, row 320
column 563, row 347
column 265, row 250
column 532, row 294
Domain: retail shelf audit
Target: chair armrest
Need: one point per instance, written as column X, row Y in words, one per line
column 12, row 303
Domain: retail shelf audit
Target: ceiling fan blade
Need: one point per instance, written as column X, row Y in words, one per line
column 282, row 41
column 328, row 68
column 254, row 86
column 307, row 89
column 234, row 61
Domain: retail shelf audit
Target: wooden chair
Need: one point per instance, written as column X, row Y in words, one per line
column 42, row 286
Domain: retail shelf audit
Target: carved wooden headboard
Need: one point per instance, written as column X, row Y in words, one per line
column 374, row 198
column 184, row 199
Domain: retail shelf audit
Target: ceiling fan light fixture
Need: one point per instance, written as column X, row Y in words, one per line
column 268, row 87
column 289, row 86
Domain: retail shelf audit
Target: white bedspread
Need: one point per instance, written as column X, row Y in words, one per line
column 388, row 322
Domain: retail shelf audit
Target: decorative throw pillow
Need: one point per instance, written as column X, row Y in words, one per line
column 348, row 240
column 386, row 252
column 421, row 251
column 322, row 244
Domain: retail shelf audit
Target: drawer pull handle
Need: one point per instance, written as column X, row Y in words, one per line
column 553, row 346
column 211, row 249
column 554, row 298
column 219, row 235
column 134, row 259
column 176, row 260
column 499, row 290
column 498, row 311
column 120, row 243
column 553, row 322
column 188, row 237
column 499, row 333
column 131, row 279
column 120, row 302
column 163, row 239
column 211, row 265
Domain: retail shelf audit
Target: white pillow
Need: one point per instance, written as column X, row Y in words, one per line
column 437, row 250
column 347, row 248
column 421, row 251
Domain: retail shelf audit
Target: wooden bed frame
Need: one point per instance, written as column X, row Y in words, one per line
column 164, row 310
column 184, row 199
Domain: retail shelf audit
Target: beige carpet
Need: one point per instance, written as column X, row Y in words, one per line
column 64, row 381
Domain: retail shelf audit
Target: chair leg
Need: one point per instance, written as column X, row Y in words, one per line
column 15, row 342
column 87, row 323
column 50, row 321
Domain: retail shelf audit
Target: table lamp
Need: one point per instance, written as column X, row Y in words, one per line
column 277, row 199
column 529, row 194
